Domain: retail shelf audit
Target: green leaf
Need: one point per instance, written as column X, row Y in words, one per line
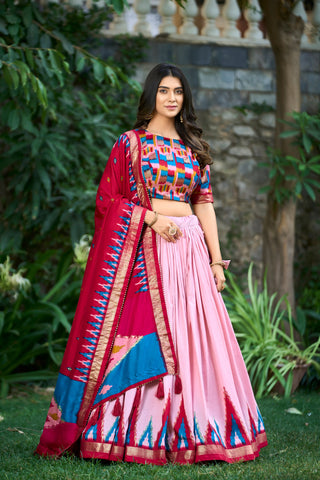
column 44, row 63
column 35, row 201
column 49, row 221
column 7, row 76
column 42, row 93
column 45, row 41
column 3, row 28
column 33, row 35
column 289, row 133
column 98, row 70
column 65, row 42
column 298, row 189
column 119, row 5
column 14, row 119
column 33, row 82
column 15, row 77
column 29, row 57
column 307, row 143
column 26, row 121
column 27, row 16
column 315, row 168
column 80, row 62
column 310, row 192
column 11, row 18
column 111, row 75
column 45, row 180
column 24, row 70
column 56, row 63
column 13, row 29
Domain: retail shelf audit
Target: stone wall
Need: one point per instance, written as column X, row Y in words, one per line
column 239, row 143
column 223, row 77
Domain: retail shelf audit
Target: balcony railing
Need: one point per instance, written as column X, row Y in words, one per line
column 205, row 20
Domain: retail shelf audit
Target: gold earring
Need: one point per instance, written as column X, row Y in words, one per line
column 181, row 118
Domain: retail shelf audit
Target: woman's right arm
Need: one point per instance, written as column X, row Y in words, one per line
column 162, row 225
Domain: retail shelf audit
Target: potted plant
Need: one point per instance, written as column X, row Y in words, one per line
column 274, row 358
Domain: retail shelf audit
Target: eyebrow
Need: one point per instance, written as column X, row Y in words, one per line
column 176, row 88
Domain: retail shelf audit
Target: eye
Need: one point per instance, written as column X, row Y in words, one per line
column 179, row 92
column 162, row 90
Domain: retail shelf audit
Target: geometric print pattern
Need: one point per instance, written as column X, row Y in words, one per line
column 171, row 171
column 140, row 271
column 107, row 278
column 179, row 438
column 102, row 295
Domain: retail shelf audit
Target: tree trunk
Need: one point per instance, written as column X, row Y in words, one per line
column 284, row 31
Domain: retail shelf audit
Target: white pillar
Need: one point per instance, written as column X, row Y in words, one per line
column 142, row 8
column 231, row 13
column 316, row 22
column 254, row 16
column 189, row 12
column 300, row 11
column 167, row 9
column 210, row 11
column 118, row 25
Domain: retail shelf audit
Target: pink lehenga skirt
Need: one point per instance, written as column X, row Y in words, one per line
column 208, row 411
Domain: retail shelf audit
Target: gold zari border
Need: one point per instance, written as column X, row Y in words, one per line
column 111, row 312
column 200, row 453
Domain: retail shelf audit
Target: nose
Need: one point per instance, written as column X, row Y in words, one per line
column 172, row 96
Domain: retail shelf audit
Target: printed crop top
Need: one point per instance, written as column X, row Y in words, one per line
column 171, row 171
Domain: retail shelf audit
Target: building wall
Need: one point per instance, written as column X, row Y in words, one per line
column 223, row 77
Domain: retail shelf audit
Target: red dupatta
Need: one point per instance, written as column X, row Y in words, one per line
column 121, row 317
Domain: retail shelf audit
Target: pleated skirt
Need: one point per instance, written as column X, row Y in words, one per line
column 207, row 411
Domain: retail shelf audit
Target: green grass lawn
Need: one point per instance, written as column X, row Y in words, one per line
column 293, row 452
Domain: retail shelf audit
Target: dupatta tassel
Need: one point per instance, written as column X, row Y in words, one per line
column 178, row 385
column 117, row 410
column 160, row 389
column 94, row 417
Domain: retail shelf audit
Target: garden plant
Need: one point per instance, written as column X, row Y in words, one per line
column 62, row 105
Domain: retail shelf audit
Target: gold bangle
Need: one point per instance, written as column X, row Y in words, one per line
column 221, row 263
column 155, row 218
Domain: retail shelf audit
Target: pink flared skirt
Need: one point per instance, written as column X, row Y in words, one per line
column 208, row 411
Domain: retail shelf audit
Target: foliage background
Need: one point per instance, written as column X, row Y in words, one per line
column 61, row 109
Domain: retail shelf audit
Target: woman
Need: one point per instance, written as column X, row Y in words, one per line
column 152, row 371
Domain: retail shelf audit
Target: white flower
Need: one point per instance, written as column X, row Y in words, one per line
column 81, row 251
column 12, row 282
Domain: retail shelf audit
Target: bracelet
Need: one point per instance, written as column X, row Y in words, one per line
column 222, row 263
column 155, row 218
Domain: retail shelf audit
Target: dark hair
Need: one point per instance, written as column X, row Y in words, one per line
column 189, row 131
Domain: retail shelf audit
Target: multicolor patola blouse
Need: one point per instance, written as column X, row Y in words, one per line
column 171, row 171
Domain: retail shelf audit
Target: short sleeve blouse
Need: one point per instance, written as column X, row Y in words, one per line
column 171, row 170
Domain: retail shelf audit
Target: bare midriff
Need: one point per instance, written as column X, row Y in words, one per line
column 172, row 208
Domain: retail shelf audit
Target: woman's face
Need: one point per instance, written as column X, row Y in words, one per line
column 169, row 99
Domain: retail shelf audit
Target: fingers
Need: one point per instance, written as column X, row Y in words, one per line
column 167, row 229
column 219, row 277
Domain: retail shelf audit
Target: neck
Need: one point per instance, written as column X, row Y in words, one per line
column 163, row 126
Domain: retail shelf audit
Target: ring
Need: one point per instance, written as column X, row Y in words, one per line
column 172, row 230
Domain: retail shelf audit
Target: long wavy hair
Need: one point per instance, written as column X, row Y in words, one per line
column 189, row 131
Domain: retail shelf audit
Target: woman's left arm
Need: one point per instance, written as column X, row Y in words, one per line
column 207, row 218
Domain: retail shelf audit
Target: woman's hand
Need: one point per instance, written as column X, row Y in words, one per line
column 219, row 278
column 165, row 227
